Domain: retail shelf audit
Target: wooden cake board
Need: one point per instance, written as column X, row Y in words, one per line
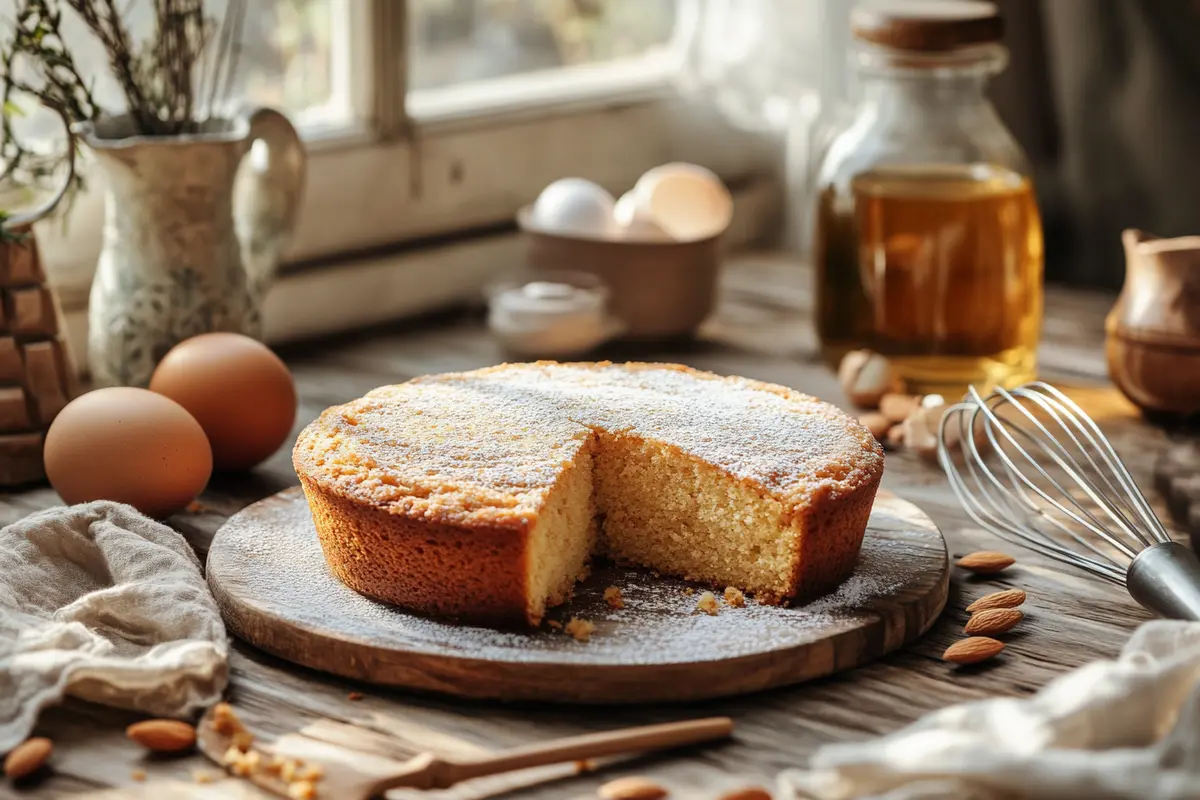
column 268, row 574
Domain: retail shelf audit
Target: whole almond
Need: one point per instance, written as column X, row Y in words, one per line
column 898, row 407
column 986, row 562
column 1009, row 598
column 27, row 757
column 991, row 621
column 631, row 788
column 752, row 793
column 876, row 423
column 973, row 650
column 162, row 735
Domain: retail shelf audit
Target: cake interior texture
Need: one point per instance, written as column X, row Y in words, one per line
column 484, row 496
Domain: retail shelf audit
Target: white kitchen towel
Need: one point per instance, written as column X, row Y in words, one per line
column 102, row 603
column 1128, row 728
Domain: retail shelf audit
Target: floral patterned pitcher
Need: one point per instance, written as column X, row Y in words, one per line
column 192, row 235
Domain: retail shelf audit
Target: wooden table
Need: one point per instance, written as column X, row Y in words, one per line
column 762, row 330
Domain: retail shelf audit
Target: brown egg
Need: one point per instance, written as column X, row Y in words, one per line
column 237, row 389
column 128, row 445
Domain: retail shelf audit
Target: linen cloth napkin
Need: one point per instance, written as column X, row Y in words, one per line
column 1128, row 728
column 102, row 603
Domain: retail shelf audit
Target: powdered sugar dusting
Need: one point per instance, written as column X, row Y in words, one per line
column 267, row 560
column 496, row 438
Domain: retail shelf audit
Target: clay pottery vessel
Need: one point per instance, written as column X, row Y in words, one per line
column 1153, row 331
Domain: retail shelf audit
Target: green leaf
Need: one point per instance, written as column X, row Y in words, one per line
column 11, row 109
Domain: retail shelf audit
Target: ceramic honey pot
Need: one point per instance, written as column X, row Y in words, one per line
column 1153, row 331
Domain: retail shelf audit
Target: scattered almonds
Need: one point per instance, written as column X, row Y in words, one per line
column 866, row 377
column 707, row 602
column 580, row 629
column 632, row 788
column 1009, row 598
column 991, row 621
column 27, row 757
column 734, row 597
column 138, row 775
column 612, row 596
column 876, row 423
column 751, row 793
column 986, row 562
column 162, row 735
column 354, row 697
column 898, row 407
column 920, row 430
column 973, row 650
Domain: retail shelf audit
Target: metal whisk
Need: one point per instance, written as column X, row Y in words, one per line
column 1031, row 467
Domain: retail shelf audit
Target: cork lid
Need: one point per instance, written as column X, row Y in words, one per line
column 929, row 26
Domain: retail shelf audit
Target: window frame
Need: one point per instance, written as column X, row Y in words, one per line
column 438, row 169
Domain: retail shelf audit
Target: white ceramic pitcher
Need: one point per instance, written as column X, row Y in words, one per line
column 192, row 235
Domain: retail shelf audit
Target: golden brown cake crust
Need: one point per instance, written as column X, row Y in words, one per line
column 424, row 493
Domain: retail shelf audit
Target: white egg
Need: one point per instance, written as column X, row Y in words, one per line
column 634, row 224
column 574, row 206
column 687, row 201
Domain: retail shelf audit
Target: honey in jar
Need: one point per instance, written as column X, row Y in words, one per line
column 928, row 241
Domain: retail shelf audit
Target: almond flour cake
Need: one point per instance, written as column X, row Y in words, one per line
column 482, row 495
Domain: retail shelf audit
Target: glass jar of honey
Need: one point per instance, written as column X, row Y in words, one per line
column 928, row 241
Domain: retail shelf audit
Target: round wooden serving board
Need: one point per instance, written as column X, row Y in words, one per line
column 266, row 569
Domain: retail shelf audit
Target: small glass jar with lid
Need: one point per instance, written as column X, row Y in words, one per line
column 928, row 240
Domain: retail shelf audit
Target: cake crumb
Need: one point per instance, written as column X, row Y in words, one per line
column 354, row 697
column 554, row 625
column 708, row 604
column 202, row 776
column 612, row 596
column 734, row 597
column 138, row 775
column 580, row 629
column 689, row 591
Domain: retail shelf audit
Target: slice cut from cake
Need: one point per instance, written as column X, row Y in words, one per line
column 483, row 495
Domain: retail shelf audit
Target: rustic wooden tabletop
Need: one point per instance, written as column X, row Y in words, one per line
column 761, row 330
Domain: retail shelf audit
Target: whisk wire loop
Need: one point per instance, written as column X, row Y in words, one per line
column 1036, row 470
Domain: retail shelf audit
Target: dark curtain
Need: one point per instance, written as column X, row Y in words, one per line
column 1105, row 97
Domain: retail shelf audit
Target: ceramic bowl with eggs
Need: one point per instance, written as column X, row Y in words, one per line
column 657, row 249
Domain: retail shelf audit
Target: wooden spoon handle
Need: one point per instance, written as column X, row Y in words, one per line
column 592, row 745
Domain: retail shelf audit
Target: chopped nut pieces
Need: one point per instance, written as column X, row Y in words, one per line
column 734, row 597
column 708, row 604
column 1009, row 598
column 302, row 790
column 898, row 407
column 631, row 788
column 580, row 629
column 876, row 423
column 27, row 757
column 225, row 721
column 612, row 596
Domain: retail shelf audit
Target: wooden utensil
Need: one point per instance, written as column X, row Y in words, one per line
column 347, row 775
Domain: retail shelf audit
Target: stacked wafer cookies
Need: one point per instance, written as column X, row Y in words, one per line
column 36, row 373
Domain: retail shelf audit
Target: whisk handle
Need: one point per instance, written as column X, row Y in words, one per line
column 1165, row 578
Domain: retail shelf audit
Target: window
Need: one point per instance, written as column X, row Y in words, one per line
column 429, row 119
